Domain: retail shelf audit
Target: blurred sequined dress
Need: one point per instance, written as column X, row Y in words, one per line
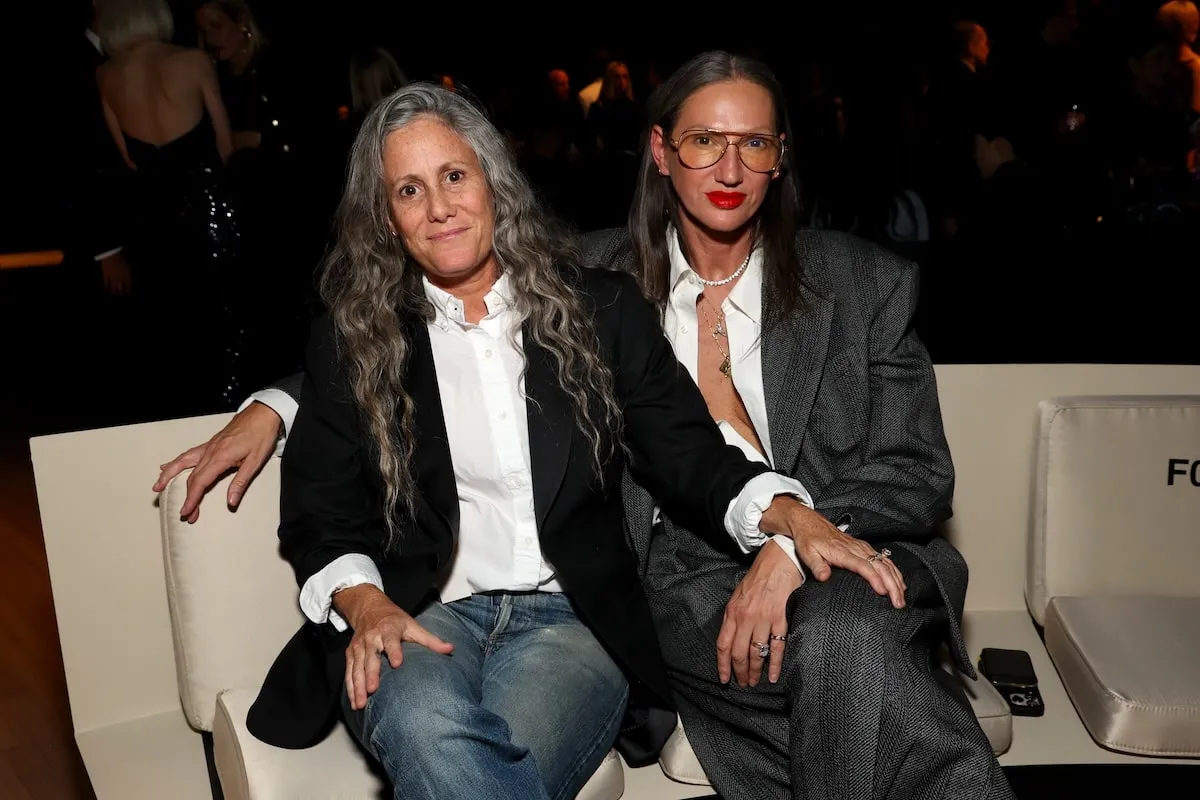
column 188, row 257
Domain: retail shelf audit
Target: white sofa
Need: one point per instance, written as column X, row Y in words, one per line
column 139, row 694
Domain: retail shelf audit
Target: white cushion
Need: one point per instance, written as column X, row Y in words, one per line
column 607, row 782
column 1129, row 666
column 1109, row 518
column 678, row 760
column 336, row 768
column 993, row 713
column 250, row 769
column 233, row 599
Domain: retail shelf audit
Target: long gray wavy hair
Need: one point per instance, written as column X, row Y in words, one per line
column 369, row 283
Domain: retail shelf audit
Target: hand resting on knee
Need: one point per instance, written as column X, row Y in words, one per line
column 380, row 628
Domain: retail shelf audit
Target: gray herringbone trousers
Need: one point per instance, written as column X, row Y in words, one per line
column 857, row 714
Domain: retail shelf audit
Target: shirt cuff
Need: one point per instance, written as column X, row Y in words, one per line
column 316, row 597
column 282, row 404
column 107, row 253
column 745, row 511
column 789, row 547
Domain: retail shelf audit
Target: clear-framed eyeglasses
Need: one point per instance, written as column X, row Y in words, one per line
column 759, row 152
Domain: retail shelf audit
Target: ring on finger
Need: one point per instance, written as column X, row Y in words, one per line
column 778, row 637
column 882, row 554
column 764, row 649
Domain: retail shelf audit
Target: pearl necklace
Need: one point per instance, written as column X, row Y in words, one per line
column 732, row 277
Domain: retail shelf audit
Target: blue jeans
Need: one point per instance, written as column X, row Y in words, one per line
column 526, row 706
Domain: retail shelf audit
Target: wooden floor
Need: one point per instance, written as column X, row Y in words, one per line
column 38, row 757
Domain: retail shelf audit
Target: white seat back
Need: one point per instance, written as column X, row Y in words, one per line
column 233, row 599
column 1116, row 500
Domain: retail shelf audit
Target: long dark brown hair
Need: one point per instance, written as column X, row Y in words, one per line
column 656, row 208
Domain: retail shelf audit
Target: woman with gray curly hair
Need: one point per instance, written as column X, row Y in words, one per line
column 451, row 495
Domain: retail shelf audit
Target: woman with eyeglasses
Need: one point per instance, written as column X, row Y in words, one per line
column 793, row 675
column 802, row 666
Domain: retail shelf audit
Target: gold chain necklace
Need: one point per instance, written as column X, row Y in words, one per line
column 719, row 332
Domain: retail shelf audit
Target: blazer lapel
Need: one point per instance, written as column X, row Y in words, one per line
column 432, row 462
column 793, row 356
column 551, row 425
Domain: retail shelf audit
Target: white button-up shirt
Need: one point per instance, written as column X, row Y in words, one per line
column 498, row 546
column 743, row 324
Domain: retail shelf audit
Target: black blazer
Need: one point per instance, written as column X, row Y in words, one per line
column 332, row 504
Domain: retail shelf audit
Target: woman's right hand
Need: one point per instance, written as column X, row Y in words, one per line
column 380, row 629
column 245, row 444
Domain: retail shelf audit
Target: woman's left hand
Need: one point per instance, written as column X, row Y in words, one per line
column 757, row 612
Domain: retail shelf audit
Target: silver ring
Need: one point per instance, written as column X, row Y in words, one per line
column 885, row 553
column 764, row 649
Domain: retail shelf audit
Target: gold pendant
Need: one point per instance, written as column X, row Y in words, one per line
column 726, row 368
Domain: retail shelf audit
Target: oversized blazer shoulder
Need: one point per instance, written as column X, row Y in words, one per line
column 852, row 404
column 332, row 497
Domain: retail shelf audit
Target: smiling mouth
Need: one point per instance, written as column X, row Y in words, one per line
column 441, row 237
column 726, row 200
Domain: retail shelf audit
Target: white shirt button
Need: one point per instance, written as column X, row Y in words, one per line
column 695, row 279
column 487, row 353
column 683, row 328
column 515, row 481
column 502, row 415
column 527, row 541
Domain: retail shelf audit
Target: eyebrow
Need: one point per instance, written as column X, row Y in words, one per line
column 765, row 131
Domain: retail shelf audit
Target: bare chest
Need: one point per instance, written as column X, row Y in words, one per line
column 714, row 369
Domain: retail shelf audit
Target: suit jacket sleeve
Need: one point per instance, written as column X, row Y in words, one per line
column 905, row 479
column 677, row 452
column 292, row 385
column 328, row 506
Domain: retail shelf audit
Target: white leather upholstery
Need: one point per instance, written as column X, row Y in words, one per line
column 1114, row 566
column 678, row 760
column 233, row 606
column 1129, row 665
column 232, row 598
column 252, row 770
column 989, row 706
column 607, row 782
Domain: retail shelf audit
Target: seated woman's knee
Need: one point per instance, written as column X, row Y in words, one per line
column 414, row 716
column 850, row 613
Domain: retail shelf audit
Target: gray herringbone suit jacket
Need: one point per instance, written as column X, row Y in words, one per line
column 853, row 413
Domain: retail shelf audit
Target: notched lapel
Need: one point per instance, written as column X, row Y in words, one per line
column 434, row 467
column 793, row 363
column 551, row 425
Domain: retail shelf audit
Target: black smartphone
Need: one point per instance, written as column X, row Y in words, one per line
column 1011, row 672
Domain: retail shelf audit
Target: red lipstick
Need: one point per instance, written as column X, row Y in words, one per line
column 726, row 200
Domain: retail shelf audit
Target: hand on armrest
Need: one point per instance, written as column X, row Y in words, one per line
column 245, row 444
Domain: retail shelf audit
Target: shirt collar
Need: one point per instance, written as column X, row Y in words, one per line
column 746, row 295
column 447, row 307
column 94, row 38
